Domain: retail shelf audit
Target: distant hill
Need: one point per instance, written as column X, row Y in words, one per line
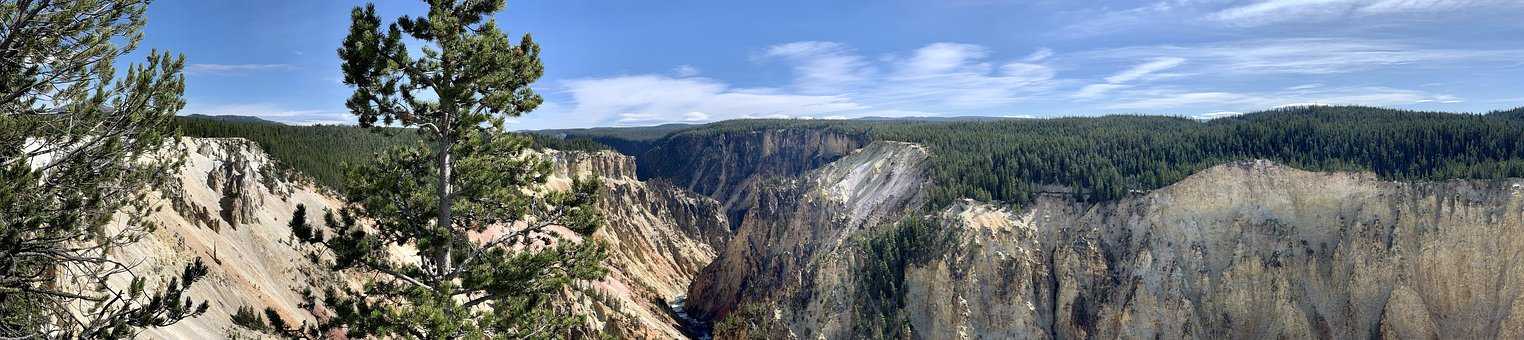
column 320, row 151
column 938, row 119
column 1106, row 157
column 627, row 133
column 999, row 159
column 233, row 118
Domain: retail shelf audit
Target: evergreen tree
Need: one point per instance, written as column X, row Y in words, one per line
column 467, row 198
column 78, row 145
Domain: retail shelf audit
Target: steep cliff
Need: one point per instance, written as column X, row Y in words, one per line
column 727, row 165
column 231, row 207
column 792, row 240
column 659, row 237
column 1243, row 250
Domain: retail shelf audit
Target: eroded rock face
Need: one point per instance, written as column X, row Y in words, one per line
column 231, row 208
column 1243, row 250
column 659, row 237
column 728, row 166
column 790, row 245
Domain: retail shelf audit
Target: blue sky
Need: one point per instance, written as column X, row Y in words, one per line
column 623, row 63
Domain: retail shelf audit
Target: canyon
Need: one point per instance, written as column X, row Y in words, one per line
column 798, row 233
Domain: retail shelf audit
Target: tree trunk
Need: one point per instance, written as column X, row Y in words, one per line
column 446, row 140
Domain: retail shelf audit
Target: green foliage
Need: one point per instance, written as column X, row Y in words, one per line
column 752, row 321
column 1103, row 158
column 322, row 151
column 467, row 196
column 319, row 151
column 915, row 240
column 79, row 148
column 301, row 229
column 246, row 317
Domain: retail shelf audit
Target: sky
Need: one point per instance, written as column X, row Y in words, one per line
column 631, row 63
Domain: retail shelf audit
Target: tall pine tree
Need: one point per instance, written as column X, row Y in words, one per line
column 79, row 151
column 467, row 206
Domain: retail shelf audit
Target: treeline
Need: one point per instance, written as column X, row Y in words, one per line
column 1012, row 160
column 320, row 151
column 1103, row 158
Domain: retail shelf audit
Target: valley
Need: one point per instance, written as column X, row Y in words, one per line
column 812, row 232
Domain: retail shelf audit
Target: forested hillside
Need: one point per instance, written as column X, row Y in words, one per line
column 1011, row 160
column 1103, row 158
column 320, row 151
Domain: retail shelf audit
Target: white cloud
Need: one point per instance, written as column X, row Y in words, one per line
column 942, row 58
column 695, row 116
column 1265, row 12
column 234, row 69
column 1115, row 81
column 950, row 75
column 1176, row 100
column 1144, row 69
column 1040, row 55
column 1219, row 114
column 685, row 71
column 1107, row 20
column 830, row 80
column 1308, row 55
column 649, row 99
column 1096, row 90
column 1371, row 96
column 271, row 112
column 820, row 66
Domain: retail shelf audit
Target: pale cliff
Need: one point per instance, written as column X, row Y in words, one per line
column 1244, row 250
column 231, row 207
column 659, row 237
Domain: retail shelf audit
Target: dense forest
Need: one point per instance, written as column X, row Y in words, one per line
column 1102, row 158
column 1012, row 160
column 321, row 151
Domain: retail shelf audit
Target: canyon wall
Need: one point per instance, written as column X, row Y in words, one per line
column 728, row 165
column 811, row 234
column 231, row 207
column 1249, row 249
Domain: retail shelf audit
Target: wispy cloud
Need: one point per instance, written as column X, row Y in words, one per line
column 650, row 99
column 830, row 80
column 1097, row 90
column 1239, row 101
column 1039, row 55
column 1116, row 81
column 1144, row 69
column 235, row 69
column 1218, row 114
column 1310, row 55
column 1276, row 11
column 821, row 66
column 270, row 111
column 684, row 71
column 952, row 75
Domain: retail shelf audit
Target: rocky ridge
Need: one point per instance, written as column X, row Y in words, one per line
column 1244, row 250
column 231, row 207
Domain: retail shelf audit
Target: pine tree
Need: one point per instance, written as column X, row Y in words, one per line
column 78, row 145
column 468, row 199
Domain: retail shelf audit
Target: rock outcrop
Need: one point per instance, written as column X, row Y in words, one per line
column 659, row 237
column 1244, row 250
column 819, row 249
column 231, row 207
column 727, row 166
column 792, row 240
